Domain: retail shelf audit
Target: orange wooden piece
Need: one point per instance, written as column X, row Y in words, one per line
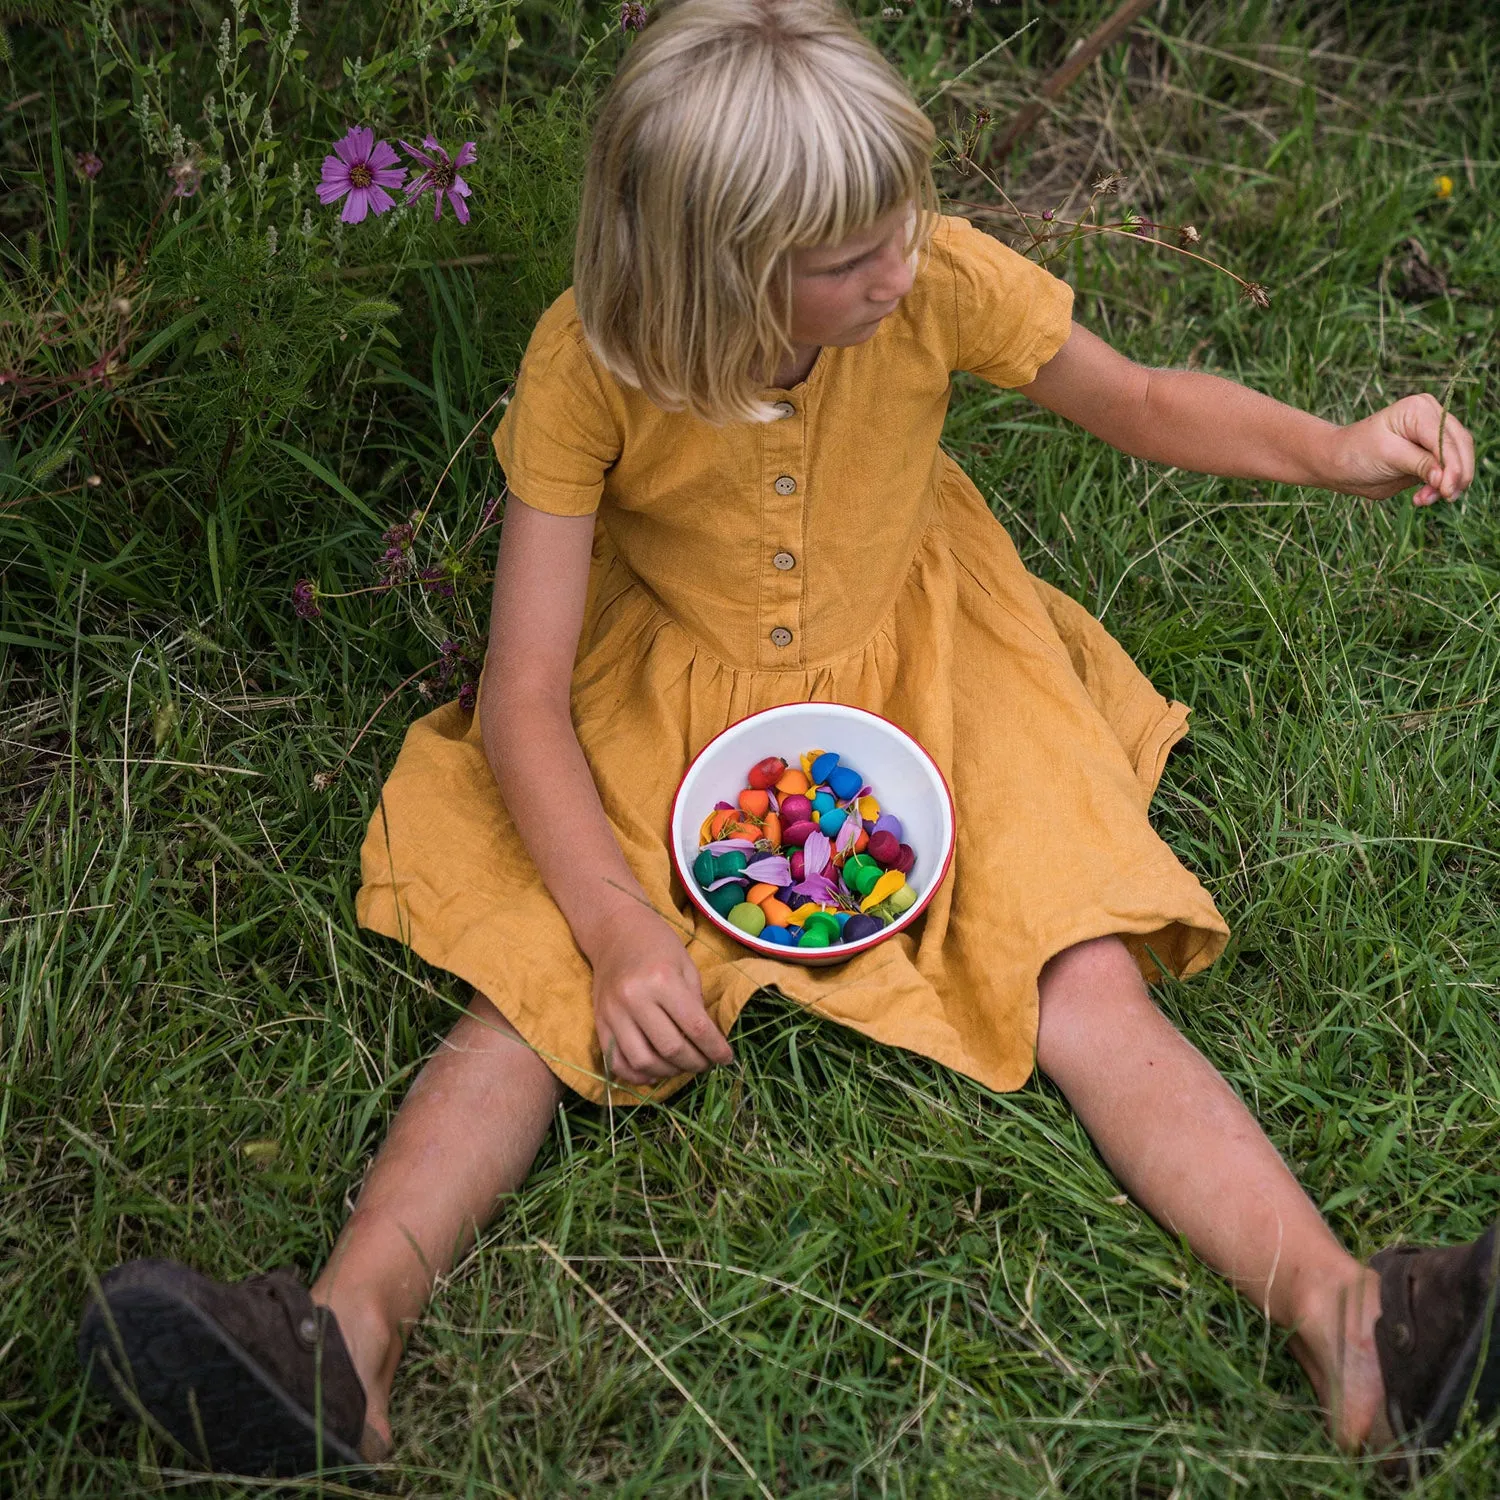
column 759, row 894
column 757, row 804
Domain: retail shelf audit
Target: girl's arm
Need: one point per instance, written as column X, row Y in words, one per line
column 648, row 1003
column 1199, row 421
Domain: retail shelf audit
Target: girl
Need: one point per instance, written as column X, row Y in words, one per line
column 727, row 492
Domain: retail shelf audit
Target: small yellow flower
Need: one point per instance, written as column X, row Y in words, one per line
column 1443, row 186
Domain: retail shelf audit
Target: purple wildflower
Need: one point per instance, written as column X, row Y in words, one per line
column 1047, row 215
column 454, row 661
column 87, row 164
column 305, row 599
column 633, row 16
column 437, row 581
column 441, row 175
column 395, row 562
column 363, row 168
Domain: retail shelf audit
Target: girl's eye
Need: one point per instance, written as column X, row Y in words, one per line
column 843, row 270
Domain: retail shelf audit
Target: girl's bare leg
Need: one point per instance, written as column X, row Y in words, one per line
column 1189, row 1152
column 465, row 1135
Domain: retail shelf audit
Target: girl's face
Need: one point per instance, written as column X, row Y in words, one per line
column 840, row 293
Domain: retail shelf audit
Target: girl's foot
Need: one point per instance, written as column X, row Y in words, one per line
column 1399, row 1351
column 1335, row 1343
column 374, row 1350
column 250, row 1378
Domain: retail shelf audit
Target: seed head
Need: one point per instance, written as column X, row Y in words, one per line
column 186, row 175
column 1109, row 184
column 1255, row 293
column 1188, row 236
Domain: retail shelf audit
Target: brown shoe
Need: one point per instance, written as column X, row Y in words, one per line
column 1438, row 1337
column 251, row 1378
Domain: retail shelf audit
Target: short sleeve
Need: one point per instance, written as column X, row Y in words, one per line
column 1012, row 314
column 558, row 437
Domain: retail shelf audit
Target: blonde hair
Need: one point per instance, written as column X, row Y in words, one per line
column 734, row 132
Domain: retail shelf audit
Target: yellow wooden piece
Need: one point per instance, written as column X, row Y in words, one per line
column 892, row 880
column 869, row 808
column 802, row 913
column 807, row 762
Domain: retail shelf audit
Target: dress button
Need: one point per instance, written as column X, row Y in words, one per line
column 784, row 409
column 781, row 636
column 784, row 560
column 786, row 485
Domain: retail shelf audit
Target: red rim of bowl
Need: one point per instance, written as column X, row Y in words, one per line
column 844, row 950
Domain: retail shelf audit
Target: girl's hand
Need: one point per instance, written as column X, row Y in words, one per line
column 1398, row 447
column 648, row 1005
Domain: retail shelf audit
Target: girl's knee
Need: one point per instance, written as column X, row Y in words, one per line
column 483, row 1012
column 1082, row 989
column 1102, row 963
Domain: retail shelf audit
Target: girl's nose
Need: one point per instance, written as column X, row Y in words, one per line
column 896, row 276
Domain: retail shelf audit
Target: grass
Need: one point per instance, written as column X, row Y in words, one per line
column 875, row 1277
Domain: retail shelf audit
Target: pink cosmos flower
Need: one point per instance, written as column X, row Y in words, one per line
column 363, row 168
column 441, row 175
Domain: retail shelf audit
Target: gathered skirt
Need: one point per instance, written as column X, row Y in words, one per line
column 1051, row 738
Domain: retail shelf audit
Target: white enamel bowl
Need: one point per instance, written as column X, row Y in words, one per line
column 902, row 777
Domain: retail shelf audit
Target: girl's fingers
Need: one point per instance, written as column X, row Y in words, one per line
column 635, row 1058
column 1406, row 457
column 673, row 1050
column 698, row 1027
column 1462, row 457
column 1425, row 424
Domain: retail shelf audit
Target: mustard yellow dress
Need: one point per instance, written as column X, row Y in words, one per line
column 837, row 554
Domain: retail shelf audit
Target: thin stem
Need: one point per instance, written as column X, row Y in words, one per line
column 417, row 524
column 1084, row 227
column 384, row 703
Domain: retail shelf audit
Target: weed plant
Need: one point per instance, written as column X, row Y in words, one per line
column 874, row 1276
